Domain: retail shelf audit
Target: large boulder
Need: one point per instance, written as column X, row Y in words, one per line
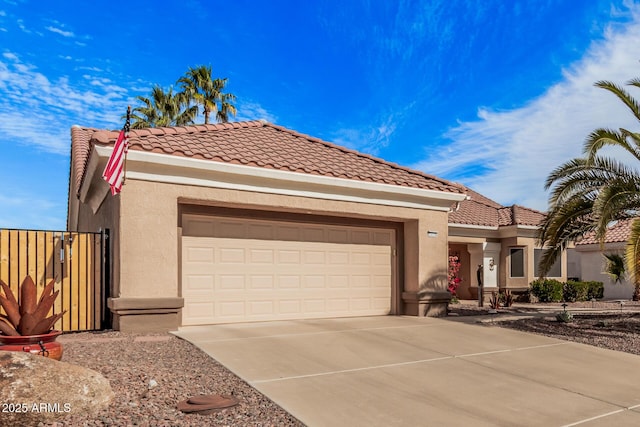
column 35, row 388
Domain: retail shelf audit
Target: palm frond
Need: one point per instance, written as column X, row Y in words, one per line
column 623, row 95
column 601, row 138
column 632, row 252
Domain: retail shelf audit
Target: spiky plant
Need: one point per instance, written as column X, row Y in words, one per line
column 29, row 317
column 615, row 267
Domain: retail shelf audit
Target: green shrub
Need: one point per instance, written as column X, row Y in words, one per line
column 564, row 317
column 551, row 290
column 596, row 290
column 547, row 290
column 575, row 291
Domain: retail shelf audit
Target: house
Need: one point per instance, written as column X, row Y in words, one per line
column 593, row 263
column 501, row 239
column 250, row 221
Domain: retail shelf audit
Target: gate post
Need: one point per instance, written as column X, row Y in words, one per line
column 105, row 318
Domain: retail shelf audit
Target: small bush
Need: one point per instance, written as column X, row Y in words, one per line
column 564, row 317
column 547, row 290
column 595, row 290
column 575, row 291
column 550, row 290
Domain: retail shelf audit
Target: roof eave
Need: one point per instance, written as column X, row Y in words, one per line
column 146, row 166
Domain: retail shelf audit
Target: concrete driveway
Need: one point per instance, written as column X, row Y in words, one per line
column 388, row 370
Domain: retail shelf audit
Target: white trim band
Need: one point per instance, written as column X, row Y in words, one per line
column 206, row 173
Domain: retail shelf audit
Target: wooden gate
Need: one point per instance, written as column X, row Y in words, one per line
column 77, row 262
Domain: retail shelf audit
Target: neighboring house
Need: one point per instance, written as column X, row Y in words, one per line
column 593, row 263
column 251, row 221
column 502, row 240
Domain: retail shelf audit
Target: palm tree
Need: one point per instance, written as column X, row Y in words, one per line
column 198, row 86
column 162, row 109
column 592, row 191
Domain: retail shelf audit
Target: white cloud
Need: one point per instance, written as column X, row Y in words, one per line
column 369, row 138
column 36, row 110
column 250, row 110
column 23, row 27
column 60, row 31
column 507, row 155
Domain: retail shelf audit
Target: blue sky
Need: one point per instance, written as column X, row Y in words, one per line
column 490, row 93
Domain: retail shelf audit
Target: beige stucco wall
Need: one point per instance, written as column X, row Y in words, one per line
column 593, row 264
column 529, row 244
column 150, row 238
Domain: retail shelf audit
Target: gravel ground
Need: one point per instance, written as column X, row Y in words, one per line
column 131, row 361
column 601, row 324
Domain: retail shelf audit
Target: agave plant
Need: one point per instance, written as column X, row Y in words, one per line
column 29, row 317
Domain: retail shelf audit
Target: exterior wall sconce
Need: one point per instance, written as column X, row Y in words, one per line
column 492, row 264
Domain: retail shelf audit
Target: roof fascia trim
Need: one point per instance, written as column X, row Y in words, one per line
column 170, row 169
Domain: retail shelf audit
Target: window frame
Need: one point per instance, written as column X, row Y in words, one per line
column 522, row 249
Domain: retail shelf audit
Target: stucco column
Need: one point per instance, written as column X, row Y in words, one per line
column 148, row 294
column 425, row 292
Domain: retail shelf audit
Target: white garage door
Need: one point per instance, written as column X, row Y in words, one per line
column 239, row 270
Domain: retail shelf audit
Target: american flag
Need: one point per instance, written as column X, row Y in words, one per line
column 114, row 171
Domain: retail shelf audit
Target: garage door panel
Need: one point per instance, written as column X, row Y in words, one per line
column 261, row 282
column 314, row 257
column 338, row 281
column 230, row 282
column 314, row 306
column 382, row 238
column 261, row 308
column 200, row 310
column 313, row 235
column 289, row 256
column 231, row 309
column 231, row 255
column 261, row 256
column 338, row 257
column 197, row 254
column 311, row 282
column 231, row 279
column 289, row 282
column 260, row 231
column 287, row 233
column 338, row 236
column 202, row 283
column 289, row 307
column 230, row 229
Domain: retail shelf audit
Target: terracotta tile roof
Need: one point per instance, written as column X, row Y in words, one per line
column 616, row 232
column 259, row 144
column 482, row 211
column 80, row 149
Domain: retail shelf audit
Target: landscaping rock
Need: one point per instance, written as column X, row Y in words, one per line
column 37, row 389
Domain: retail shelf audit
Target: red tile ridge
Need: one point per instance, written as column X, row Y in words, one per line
column 457, row 186
column 101, row 136
column 530, row 209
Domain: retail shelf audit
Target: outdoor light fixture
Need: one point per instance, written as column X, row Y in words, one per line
column 492, row 264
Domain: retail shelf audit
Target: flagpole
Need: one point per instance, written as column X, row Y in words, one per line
column 126, row 149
